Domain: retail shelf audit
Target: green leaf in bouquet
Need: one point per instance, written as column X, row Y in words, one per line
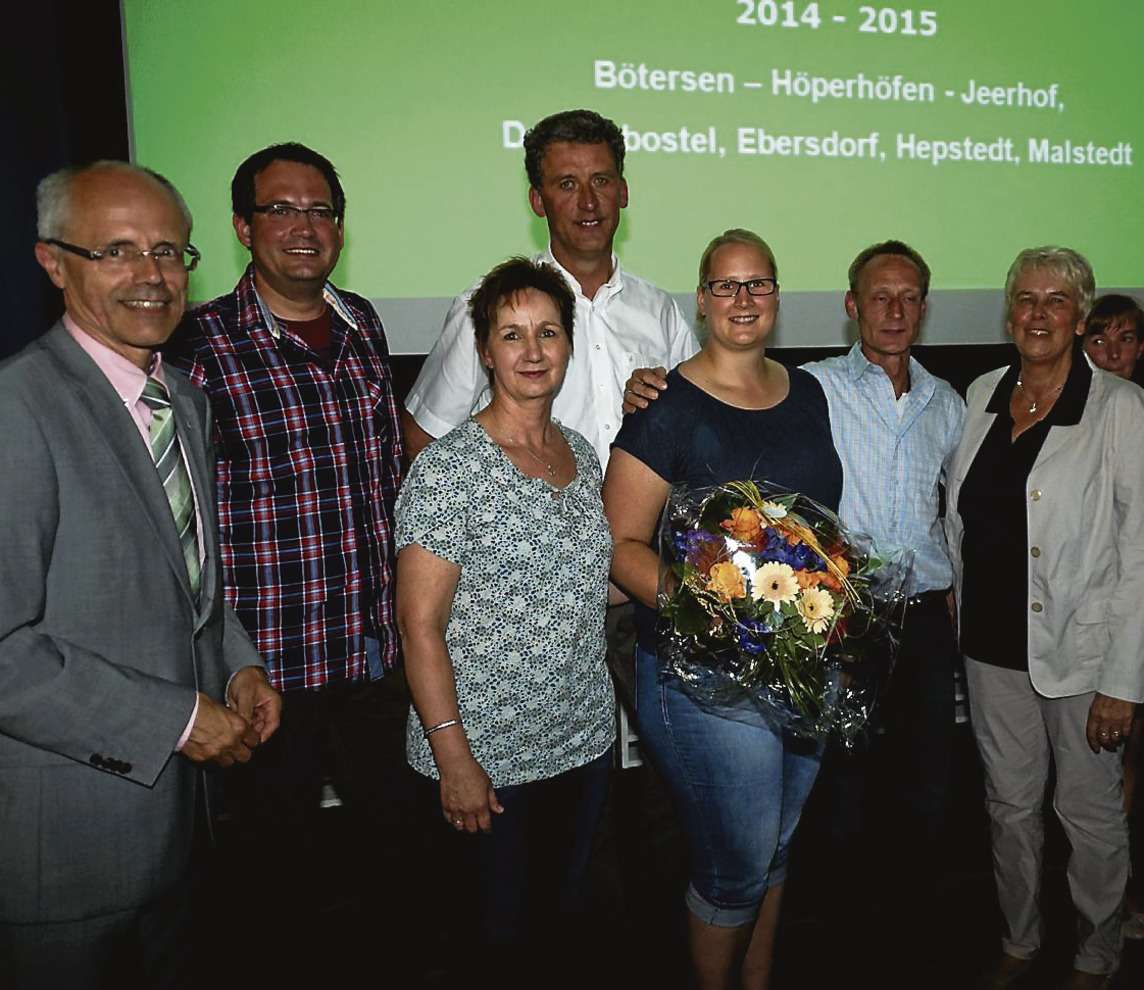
column 687, row 614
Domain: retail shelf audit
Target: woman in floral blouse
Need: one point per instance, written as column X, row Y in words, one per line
column 502, row 587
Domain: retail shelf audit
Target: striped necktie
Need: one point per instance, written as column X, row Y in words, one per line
column 168, row 457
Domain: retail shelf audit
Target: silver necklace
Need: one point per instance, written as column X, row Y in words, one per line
column 548, row 468
column 1033, row 402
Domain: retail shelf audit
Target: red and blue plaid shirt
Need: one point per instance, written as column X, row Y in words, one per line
column 309, row 460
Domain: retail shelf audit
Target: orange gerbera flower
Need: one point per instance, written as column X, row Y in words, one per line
column 828, row 580
column 808, row 579
column 726, row 580
column 745, row 525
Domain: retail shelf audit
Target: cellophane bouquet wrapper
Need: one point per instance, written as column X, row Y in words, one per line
column 768, row 603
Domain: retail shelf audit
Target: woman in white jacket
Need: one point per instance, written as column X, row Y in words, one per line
column 1046, row 530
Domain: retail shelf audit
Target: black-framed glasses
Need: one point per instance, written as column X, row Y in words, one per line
column 127, row 255
column 287, row 212
column 728, row 287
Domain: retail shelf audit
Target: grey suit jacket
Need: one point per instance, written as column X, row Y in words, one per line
column 102, row 645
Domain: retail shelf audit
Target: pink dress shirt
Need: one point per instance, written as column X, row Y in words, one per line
column 128, row 380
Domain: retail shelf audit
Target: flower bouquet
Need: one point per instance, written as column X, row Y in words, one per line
column 768, row 603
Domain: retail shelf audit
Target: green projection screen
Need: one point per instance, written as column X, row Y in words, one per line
column 970, row 128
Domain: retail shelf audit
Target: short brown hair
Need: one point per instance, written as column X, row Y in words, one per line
column 1113, row 310
column 897, row 248
column 575, row 127
column 509, row 279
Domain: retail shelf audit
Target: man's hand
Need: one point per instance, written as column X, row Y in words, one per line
column 251, row 695
column 1109, row 722
column 219, row 735
column 643, row 388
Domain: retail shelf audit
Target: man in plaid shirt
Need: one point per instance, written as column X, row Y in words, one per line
column 309, row 452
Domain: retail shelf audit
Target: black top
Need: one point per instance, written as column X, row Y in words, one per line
column 994, row 543
column 689, row 437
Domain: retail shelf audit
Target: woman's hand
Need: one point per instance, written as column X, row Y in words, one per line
column 468, row 800
column 1109, row 722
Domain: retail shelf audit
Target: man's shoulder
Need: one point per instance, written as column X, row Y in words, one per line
column 359, row 306
column 203, row 330
column 945, row 397
column 210, row 318
column 947, row 394
column 178, row 383
column 40, row 360
column 46, row 384
column 827, row 367
column 833, row 374
column 26, row 371
column 581, row 448
column 646, row 292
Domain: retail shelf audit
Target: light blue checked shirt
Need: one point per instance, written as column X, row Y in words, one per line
column 893, row 459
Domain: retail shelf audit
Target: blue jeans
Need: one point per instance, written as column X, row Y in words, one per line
column 738, row 786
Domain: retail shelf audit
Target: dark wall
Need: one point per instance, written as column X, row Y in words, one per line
column 63, row 104
column 957, row 364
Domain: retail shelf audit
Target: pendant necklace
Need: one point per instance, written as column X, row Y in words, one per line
column 1033, row 402
column 548, row 468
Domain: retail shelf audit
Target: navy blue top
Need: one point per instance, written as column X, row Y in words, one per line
column 691, row 438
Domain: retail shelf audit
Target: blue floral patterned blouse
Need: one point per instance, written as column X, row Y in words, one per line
column 526, row 633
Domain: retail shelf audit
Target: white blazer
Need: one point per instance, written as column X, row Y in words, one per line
column 1084, row 510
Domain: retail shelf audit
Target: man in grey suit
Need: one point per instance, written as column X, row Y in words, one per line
column 121, row 669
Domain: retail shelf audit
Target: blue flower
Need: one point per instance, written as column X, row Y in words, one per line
column 689, row 543
column 800, row 557
column 753, row 635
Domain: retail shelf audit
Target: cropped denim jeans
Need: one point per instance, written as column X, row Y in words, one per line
column 738, row 786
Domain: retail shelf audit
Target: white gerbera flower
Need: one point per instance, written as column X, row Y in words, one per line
column 775, row 583
column 816, row 608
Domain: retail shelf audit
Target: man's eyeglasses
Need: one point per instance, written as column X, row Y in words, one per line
column 286, row 213
column 126, row 255
column 727, row 287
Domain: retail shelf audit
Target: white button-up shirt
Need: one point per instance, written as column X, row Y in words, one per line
column 629, row 324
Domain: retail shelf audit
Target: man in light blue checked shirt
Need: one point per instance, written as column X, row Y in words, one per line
column 894, row 423
column 895, row 426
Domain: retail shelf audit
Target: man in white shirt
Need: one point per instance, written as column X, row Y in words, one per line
column 575, row 164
